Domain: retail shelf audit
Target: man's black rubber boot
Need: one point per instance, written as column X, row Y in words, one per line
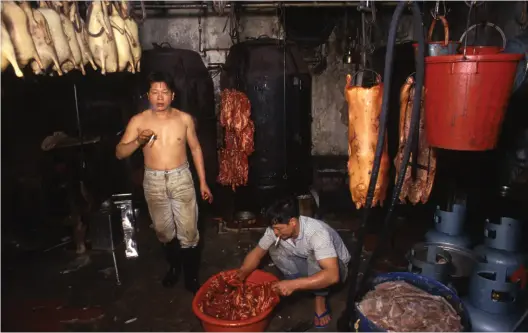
column 173, row 255
column 191, row 268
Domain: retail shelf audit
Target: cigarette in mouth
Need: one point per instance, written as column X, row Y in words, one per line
column 277, row 241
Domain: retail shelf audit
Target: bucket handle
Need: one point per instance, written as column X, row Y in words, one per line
column 489, row 24
column 378, row 77
column 446, row 29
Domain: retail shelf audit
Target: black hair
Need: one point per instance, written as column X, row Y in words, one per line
column 164, row 77
column 282, row 211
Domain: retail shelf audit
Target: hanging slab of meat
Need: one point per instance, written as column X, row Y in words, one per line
column 364, row 108
column 41, row 34
column 69, row 31
column 60, row 41
column 101, row 37
column 400, row 307
column 16, row 22
column 119, row 29
column 235, row 117
column 8, row 53
column 231, row 299
column 417, row 190
column 81, row 36
column 132, row 34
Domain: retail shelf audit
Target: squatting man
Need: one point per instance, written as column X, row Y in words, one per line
column 310, row 254
column 163, row 132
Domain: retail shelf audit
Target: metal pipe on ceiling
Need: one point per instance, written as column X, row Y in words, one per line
column 259, row 5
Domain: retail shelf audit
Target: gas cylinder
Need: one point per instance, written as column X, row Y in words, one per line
column 494, row 303
column 449, row 227
column 503, row 243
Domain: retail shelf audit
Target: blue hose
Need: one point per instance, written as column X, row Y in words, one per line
column 344, row 323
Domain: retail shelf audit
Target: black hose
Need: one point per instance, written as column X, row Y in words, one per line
column 345, row 323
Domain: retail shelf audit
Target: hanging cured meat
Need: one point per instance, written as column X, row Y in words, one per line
column 239, row 130
column 419, row 189
column 101, row 37
column 81, row 35
column 364, row 108
column 230, row 299
column 120, row 31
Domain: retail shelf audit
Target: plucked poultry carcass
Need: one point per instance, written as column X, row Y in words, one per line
column 417, row 190
column 81, row 35
column 235, row 117
column 16, row 22
column 101, row 38
column 120, row 31
column 8, row 53
column 69, row 31
column 132, row 33
column 41, row 34
column 398, row 306
column 364, row 108
column 58, row 36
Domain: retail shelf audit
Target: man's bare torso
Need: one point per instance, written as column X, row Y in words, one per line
column 168, row 151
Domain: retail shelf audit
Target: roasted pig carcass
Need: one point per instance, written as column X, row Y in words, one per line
column 419, row 189
column 364, row 108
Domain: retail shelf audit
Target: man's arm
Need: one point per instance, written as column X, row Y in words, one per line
column 196, row 150
column 253, row 258
column 129, row 143
column 328, row 276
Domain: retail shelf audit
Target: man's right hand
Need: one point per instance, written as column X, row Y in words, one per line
column 242, row 274
column 144, row 137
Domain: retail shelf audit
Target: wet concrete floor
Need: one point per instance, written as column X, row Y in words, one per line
column 37, row 296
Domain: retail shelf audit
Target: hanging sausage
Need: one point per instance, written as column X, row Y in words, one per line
column 419, row 188
column 364, row 107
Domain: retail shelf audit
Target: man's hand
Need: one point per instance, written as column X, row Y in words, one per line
column 241, row 274
column 206, row 193
column 144, row 137
column 285, row 287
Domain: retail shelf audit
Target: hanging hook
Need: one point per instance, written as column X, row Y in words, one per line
column 436, row 12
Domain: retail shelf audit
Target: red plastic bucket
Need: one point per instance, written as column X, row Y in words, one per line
column 465, row 99
column 254, row 324
column 476, row 50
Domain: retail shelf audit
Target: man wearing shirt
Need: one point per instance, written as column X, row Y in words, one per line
column 310, row 254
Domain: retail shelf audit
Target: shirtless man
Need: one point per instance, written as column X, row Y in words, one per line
column 162, row 132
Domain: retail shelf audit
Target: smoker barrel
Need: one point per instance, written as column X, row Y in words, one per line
column 281, row 112
column 194, row 94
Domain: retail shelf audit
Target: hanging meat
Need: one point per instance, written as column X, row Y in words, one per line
column 16, row 22
column 364, row 108
column 398, row 306
column 231, row 299
column 132, row 33
column 239, row 131
column 69, row 31
column 101, row 38
column 120, row 31
column 81, row 35
column 60, row 41
column 419, row 189
column 41, row 34
column 8, row 53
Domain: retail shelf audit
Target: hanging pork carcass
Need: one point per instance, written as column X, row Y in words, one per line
column 81, row 35
column 41, row 34
column 8, row 53
column 59, row 38
column 16, row 22
column 417, row 189
column 364, row 108
column 101, row 38
column 120, row 31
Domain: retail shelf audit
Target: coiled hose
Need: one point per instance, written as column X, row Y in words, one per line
column 344, row 323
